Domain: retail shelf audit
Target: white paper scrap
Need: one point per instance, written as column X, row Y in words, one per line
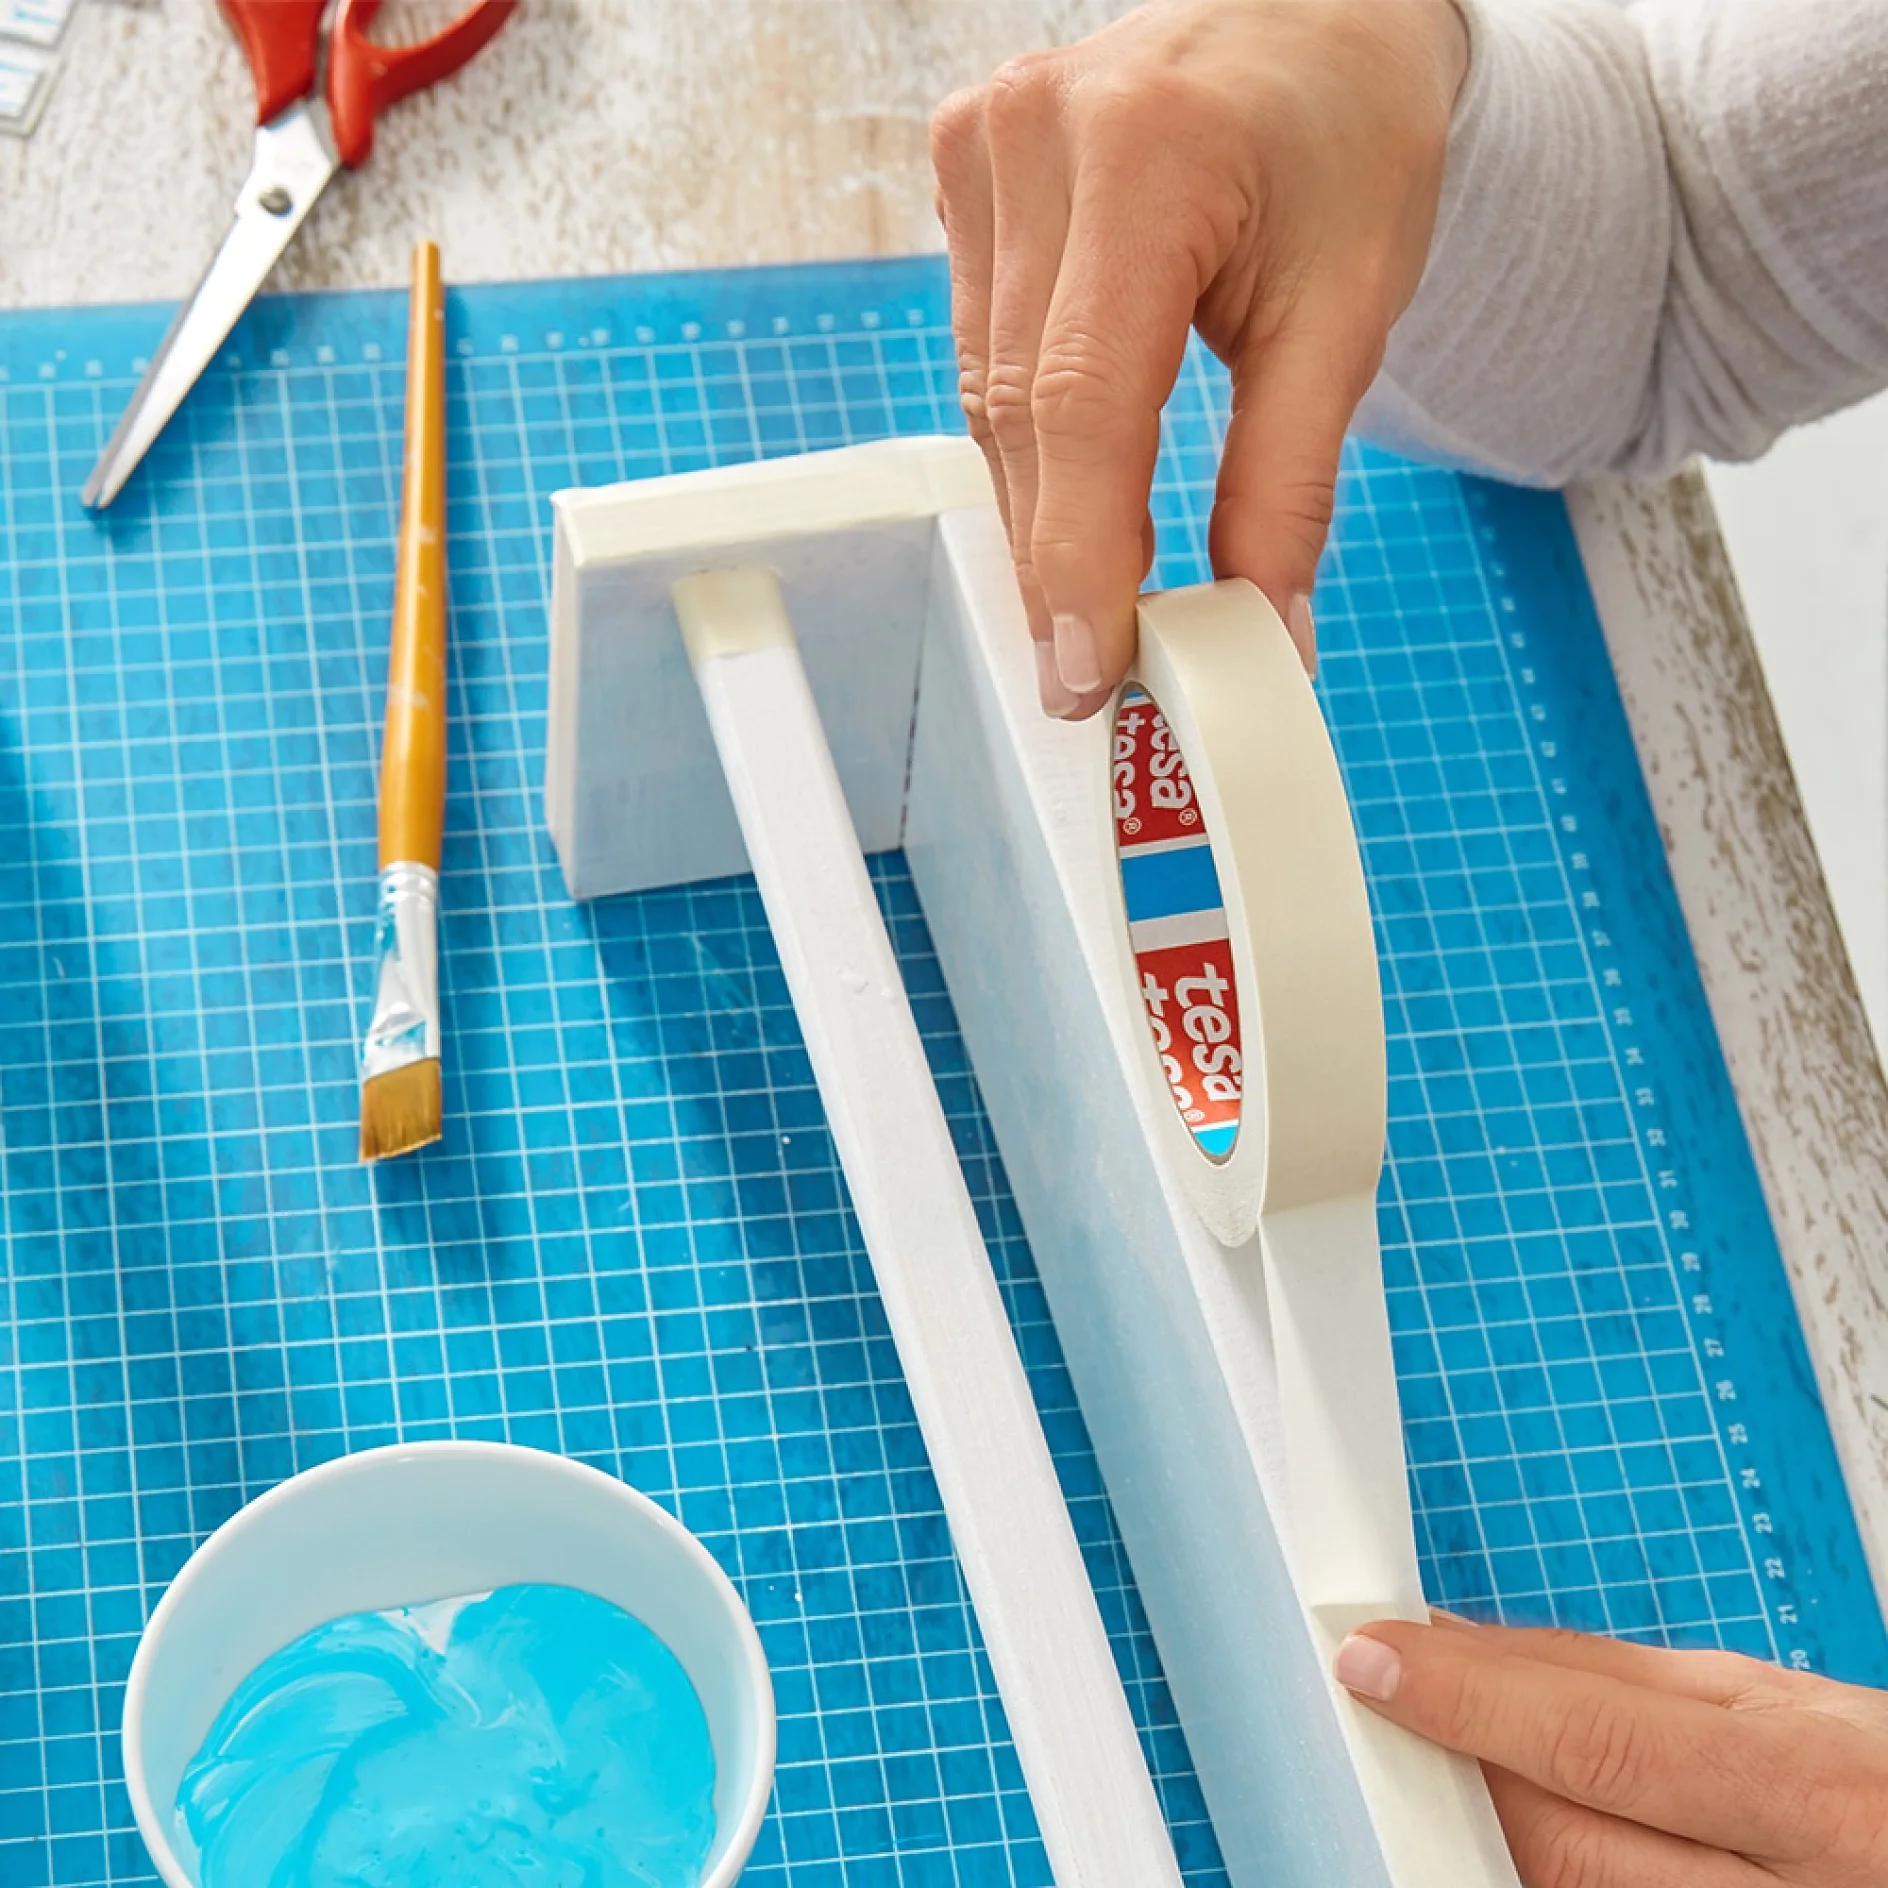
column 25, row 78
column 38, row 22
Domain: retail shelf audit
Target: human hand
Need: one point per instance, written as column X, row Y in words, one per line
column 1267, row 170
column 1623, row 1766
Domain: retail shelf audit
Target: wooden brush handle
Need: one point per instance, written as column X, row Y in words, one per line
column 413, row 756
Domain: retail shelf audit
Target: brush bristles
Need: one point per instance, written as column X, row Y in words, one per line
column 400, row 1110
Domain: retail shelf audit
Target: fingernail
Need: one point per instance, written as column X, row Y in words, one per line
column 1057, row 699
column 1368, row 1667
column 1440, row 1615
column 1304, row 630
column 1076, row 654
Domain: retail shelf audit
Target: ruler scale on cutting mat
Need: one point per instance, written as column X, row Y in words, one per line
column 633, row 1244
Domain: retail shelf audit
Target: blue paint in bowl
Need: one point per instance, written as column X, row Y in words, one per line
column 534, row 1737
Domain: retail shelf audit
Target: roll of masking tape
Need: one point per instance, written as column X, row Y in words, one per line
column 1251, row 953
column 1248, row 924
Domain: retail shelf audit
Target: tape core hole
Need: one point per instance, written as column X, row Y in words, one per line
column 1177, row 927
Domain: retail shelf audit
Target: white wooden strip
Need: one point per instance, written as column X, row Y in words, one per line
column 1166, row 1334
column 1075, row 1738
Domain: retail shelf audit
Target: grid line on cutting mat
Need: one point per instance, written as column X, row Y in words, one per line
column 633, row 1245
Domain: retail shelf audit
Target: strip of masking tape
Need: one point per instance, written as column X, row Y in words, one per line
column 1076, row 1743
column 1250, row 951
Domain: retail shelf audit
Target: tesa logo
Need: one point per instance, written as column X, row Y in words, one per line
column 1200, row 1057
column 1153, row 792
column 1127, row 729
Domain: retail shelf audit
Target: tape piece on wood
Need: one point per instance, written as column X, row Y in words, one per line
column 1075, row 1739
column 1250, row 952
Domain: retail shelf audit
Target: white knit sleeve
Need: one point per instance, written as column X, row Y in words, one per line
column 1664, row 231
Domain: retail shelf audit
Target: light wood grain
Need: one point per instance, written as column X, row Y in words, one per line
column 593, row 136
column 1783, row 996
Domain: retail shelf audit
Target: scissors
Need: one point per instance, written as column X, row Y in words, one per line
column 300, row 143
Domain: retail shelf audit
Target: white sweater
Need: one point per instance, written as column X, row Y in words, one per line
column 1664, row 231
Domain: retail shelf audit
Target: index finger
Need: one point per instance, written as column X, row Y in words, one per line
column 1714, row 1677
column 1769, row 1784
column 1111, row 350
column 960, row 155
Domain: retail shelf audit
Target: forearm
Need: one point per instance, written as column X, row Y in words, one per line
column 1663, row 231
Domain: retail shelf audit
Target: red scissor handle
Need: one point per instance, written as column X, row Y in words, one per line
column 364, row 79
column 281, row 38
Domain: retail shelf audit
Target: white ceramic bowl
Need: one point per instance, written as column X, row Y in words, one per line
column 427, row 1521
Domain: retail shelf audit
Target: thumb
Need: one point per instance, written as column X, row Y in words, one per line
column 1293, row 397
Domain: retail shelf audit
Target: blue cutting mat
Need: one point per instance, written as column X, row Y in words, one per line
column 633, row 1244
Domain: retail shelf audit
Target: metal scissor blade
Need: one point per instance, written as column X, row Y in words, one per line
column 293, row 164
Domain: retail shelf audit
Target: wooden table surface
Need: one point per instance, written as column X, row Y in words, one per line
column 594, row 137
column 609, row 135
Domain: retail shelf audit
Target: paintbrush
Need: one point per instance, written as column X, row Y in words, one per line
column 400, row 1086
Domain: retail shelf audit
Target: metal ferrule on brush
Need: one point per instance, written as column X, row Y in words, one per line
column 406, row 978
